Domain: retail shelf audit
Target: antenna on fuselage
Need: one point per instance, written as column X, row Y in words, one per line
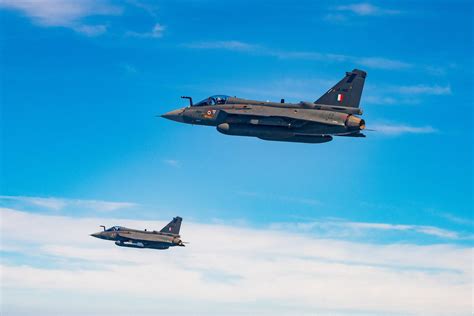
column 190, row 100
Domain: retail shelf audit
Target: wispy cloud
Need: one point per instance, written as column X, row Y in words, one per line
column 405, row 94
column 298, row 89
column 150, row 8
column 237, row 263
column 128, row 68
column 366, row 9
column 283, row 198
column 255, row 49
column 341, row 228
column 335, row 18
column 424, row 89
column 58, row 204
column 156, row 32
column 371, row 62
column 381, row 63
column 458, row 220
column 345, row 13
column 226, row 45
column 427, row 230
column 399, row 129
column 64, row 13
column 382, row 100
column 172, row 163
column 90, row 30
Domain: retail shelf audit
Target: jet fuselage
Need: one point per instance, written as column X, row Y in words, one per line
column 301, row 122
column 127, row 237
column 335, row 113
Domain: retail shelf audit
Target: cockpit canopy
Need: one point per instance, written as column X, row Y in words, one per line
column 113, row 229
column 213, row 100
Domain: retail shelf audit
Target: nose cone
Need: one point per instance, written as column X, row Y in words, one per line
column 175, row 115
column 96, row 235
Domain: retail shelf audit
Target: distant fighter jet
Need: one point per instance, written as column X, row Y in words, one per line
column 333, row 114
column 126, row 237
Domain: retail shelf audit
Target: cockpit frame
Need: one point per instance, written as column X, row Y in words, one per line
column 114, row 229
column 217, row 99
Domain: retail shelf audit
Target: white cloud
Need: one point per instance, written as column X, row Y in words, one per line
column 172, row 163
column 91, row 30
column 458, row 220
column 424, row 89
column 381, row 100
column 427, row 230
column 344, row 13
column 230, row 268
column 58, row 204
column 374, row 62
column 382, row 63
column 238, row 46
column 409, row 94
column 72, row 14
column 150, row 8
column 156, row 32
column 128, row 68
column 283, row 198
column 366, row 9
column 64, row 13
column 228, row 45
column 399, row 129
column 435, row 231
column 340, row 228
column 335, row 17
column 49, row 203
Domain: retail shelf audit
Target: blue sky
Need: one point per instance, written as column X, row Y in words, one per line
column 82, row 83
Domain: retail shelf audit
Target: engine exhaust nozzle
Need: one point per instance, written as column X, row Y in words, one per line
column 355, row 122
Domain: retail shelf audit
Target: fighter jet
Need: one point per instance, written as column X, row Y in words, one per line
column 126, row 237
column 333, row 114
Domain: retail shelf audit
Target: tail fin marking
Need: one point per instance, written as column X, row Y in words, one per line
column 346, row 92
column 173, row 226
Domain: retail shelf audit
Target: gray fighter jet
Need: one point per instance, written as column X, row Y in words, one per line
column 126, row 237
column 333, row 114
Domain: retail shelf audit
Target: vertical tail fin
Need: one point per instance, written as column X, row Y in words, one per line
column 346, row 92
column 173, row 226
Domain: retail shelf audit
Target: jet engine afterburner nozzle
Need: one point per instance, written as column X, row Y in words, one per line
column 178, row 242
column 355, row 122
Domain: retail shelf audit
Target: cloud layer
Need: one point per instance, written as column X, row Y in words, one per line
column 273, row 271
column 57, row 204
column 64, row 13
